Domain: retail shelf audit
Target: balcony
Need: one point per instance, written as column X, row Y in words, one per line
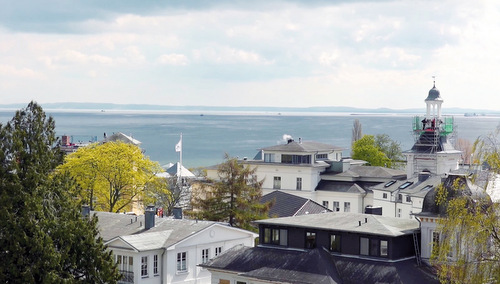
column 127, row 277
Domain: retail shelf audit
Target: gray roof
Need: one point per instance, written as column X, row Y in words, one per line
column 112, row 225
column 434, row 94
column 340, row 186
column 286, row 204
column 369, row 172
column 316, row 266
column 122, row 138
column 349, row 222
column 432, row 142
column 419, row 186
column 305, row 146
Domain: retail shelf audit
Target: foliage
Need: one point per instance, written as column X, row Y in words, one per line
column 389, row 147
column 113, row 173
column 367, row 150
column 467, row 251
column 165, row 193
column 43, row 237
column 234, row 198
column 377, row 150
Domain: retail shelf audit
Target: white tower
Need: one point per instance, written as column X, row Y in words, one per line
column 432, row 151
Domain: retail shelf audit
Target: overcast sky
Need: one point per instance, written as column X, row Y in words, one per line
column 365, row 54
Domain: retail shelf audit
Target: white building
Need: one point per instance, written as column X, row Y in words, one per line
column 149, row 249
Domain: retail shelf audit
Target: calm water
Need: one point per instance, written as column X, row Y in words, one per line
column 207, row 137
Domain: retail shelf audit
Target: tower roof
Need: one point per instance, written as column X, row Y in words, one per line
column 434, row 94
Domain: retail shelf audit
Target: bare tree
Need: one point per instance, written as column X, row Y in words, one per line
column 465, row 146
column 356, row 131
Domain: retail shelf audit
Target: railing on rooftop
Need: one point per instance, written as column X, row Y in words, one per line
column 444, row 125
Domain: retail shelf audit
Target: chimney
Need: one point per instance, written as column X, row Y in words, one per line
column 177, row 211
column 149, row 216
column 85, row 210
column 300, row 140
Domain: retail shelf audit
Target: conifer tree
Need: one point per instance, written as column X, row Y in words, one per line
column 234, row 198
column 43, row 236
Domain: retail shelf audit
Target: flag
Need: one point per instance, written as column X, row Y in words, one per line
column 178, row 146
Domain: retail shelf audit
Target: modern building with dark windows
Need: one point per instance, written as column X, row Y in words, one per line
column 327, row 248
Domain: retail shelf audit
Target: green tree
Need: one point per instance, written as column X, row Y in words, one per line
column 366, row 149
column 114, row 173
column 43, row 236
column 234, row 198
column 391, row 148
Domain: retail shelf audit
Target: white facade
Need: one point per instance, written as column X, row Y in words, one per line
column 143, row 258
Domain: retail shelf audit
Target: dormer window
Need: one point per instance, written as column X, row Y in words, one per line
column 269, row 157
column 390, row 183
column 321, row 157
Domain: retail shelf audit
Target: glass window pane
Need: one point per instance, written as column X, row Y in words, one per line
column 363, row 246
column 283, row 237
column 383, row 248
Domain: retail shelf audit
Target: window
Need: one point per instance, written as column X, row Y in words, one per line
column 406, row 184
column 400, row 198
column 383, row 248
column 277, row 183
column 276, row 236
column 269, row 157
column 336, row 206
column 384, row 195
column 295, row 159
column 399, row 212
column 321, row 156
column 363, row 246
column 204, row 255
column 408, row 198
column 299, row 183
column 125, row 267
column 310, row 240
column 144, row 266
column 373, row 247
column 325, row 204
column 347, row 206
column 218, row 251
column 182, row 261
column 241, row 282
column 335, row 242
column 435, row 242
column 390, row 183
column 155, row 265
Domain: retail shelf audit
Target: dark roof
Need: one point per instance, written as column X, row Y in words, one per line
column 315, row 266
column 432, row 142
column 286, row 205
column 305, row 146
column 455, row 185
column 434, row 94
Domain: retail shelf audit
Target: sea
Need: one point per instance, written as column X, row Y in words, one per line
column 207, row 137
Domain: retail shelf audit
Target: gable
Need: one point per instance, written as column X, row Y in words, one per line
column 213, row 234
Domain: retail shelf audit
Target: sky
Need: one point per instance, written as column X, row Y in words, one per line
column 367, row 54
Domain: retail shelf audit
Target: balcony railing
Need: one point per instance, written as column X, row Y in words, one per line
column 127, row 277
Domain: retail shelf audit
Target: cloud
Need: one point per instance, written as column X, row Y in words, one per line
column 173, row 59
